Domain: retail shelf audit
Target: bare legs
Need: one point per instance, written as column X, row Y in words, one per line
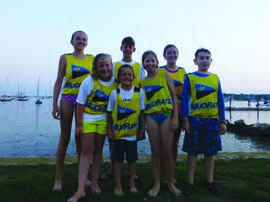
column 161, row 139
column 97, row 160
column 191, row 166
column 117, row 181
column 92, row 145
column 66, row 116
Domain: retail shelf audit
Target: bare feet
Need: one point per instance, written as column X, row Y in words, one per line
column 154, row 191
column 133, row 190
column 57, row 186
column 118, row 193
column 88, row 183
column 76, row 197
column 96, row 190
column 174, row 190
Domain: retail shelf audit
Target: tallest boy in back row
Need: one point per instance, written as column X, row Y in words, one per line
column 127, row 48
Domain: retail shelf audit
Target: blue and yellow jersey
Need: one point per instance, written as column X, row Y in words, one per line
column 76, row 71
column 204, row 95
column 97, row 100
column 137, row 70
column 126, row 114
column 158, row 97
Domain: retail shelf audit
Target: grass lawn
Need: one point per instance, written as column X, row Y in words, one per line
column 242, row 176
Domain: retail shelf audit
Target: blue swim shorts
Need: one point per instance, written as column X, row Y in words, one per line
column 203, row 138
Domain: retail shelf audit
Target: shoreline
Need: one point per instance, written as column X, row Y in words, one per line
column 247, row 108
column 18, row 161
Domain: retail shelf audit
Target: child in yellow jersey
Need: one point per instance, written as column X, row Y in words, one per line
column 73, row 68
column 127, row 48
column 92, row 103
column 177, row 73
column 204, row 119
column 162, row 120
column 126, row 105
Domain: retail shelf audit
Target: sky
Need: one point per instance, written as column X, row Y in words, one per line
column 35, row 33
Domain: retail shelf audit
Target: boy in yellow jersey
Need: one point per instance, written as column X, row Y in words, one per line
column 204, row 119
column 127, row 48
column 126, row 105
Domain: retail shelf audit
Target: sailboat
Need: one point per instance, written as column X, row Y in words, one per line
column 38, row 100
column 21, row 96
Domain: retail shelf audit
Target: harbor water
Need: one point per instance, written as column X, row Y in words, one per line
column 28, row 130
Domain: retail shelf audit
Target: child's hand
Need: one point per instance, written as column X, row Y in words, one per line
column 141, row 134
column 110, row 135
column 56, row 112
column 222, row 128
column 173, row 123
column 78, row 131
column 186, row 125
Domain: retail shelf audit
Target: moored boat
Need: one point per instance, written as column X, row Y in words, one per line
column 5, row 98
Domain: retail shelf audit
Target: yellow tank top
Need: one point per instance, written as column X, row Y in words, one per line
column 97, row 100
column 137, row 70
column 178, row 77
column 76, row 71
column 204, row 96
column 126, row 114
column 158, row 98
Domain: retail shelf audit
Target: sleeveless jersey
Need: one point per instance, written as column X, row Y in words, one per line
column 126, row 114
column 158, row 98
column 97, row 100
column 204, row 96
column 178, row 77
column 136, row 67
column 76, row 71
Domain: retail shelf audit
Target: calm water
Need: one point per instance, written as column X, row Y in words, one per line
column 27, row 129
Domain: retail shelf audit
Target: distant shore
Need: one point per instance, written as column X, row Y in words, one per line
column 247, row 108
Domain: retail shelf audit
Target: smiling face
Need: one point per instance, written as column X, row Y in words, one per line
column 203, row 61
column 150, row 62
column 79, row 40
column 126, row 76
column 104, row 69
column 171, row 55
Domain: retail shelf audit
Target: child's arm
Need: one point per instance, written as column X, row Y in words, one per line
column 110, row 108
column 221, row 111
column 110, row 125
column 185, row 105
column 79, row 118
column 142, row 125
column 174, row 119
column 58, row 84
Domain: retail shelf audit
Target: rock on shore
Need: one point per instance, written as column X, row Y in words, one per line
column 258, row 130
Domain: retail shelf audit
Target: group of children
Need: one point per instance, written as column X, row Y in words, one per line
column 120, row 101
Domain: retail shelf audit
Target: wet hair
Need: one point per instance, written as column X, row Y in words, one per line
column 201, row 50
column 100, row 56
column 149, row 52
column 73, row 35
column 125, row 66
column 128, row 41
column 169, row 46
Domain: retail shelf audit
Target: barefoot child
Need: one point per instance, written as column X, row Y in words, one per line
column 73, row 69
column 126, row 105
column 177, row 73
column 128, row 49
column 162, row 119
column 92, row 102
